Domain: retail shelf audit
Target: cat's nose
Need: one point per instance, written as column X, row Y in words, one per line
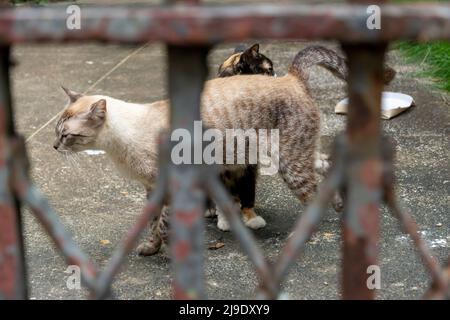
column 56, row 145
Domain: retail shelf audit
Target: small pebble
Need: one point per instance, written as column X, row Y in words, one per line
column 439, row 224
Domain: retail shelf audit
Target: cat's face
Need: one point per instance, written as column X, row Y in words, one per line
column 249, row 61
column 79, row 125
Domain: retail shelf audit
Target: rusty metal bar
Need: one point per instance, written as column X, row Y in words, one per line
column 30, row 196
column 190, row 24
column 12, row 265
column 308, row 221
column 363, row 174
column 267, row 283
column 151, row 209
column 186, row 75
column 440, row 279
column 437, row 292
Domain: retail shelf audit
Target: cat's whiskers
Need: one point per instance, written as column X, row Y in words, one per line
column 72, row 158
column 76, row 160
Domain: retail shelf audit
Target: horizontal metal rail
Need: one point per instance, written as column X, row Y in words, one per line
column 182, row 24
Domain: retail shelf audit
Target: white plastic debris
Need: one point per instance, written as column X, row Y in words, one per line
column 392, row 104
column 94, row 152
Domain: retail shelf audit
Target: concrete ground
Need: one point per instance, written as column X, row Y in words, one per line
column 98, row 206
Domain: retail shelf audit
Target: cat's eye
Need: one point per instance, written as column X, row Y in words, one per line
column 70, row 135
column 66, row 136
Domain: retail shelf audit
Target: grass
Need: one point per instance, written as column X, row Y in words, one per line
column 434, row 58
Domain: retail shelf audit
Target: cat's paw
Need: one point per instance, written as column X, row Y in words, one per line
column 150, row 247
column 338, row 202
column 255, row 223
column 210, row 213
column 321, row 164
column 222, row 223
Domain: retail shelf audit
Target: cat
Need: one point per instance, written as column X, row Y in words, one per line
column 246, row 61
column 242, row 184
column 128, row 132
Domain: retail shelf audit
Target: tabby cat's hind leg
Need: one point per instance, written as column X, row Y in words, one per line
column 159, row 234
column 322, row 163
column 298, row 171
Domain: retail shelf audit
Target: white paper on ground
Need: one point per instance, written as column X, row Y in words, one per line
column 94, row 152
column 392, row 104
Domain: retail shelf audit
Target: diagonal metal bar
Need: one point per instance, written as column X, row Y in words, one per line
column 151, row 210
column 439, row 278
column 29, row 195
column 436, row 292
column 226, row 204
column 308, row 221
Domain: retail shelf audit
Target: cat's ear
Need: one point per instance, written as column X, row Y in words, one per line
column 73, row 96
column 97, row 112
column 250, row 53
column 254, row 48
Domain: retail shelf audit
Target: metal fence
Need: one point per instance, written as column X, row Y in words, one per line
column 362, row 157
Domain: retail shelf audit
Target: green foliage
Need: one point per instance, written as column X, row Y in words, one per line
column 434, row 57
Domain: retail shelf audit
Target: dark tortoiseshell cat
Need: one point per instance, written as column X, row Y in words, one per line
column 246, row 61
column 243, row 184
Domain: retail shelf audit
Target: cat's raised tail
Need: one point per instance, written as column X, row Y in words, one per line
column 328, row 59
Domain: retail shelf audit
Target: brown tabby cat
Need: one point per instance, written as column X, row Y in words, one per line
column 243, row 184
column 128, row 132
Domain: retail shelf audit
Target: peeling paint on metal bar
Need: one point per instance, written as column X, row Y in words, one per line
column 187, row 24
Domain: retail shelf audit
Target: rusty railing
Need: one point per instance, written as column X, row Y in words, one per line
column 362, row 158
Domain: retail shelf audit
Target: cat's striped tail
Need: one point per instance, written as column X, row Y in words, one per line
column 328, row 59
